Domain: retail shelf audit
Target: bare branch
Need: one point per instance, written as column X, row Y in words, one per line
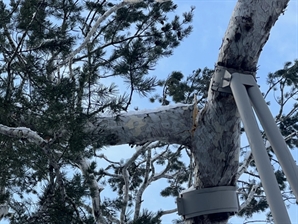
column 3, row 207
column 112, row 175
column 144, row 185
column 102, row 156
column 97, row 213
column 125, row 192
column 22, row 132
column 92, row 31
column 248, row 158
column 250, row 196
column 257, row 221
column 170, row 211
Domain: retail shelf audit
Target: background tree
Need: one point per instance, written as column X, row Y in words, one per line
column 55, row 57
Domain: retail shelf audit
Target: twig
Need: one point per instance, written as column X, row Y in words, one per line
column 92, row 31
column 250, row 196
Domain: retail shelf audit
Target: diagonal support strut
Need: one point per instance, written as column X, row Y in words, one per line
column 246, row 91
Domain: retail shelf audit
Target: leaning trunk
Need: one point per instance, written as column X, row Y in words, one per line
column 217, row 139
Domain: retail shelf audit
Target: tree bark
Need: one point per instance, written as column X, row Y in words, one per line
column 215, row 139
column 171, row 124
column 215, row 143
column 248, row 31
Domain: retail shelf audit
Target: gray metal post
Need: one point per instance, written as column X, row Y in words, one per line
column 263, row 164
column 275, row 138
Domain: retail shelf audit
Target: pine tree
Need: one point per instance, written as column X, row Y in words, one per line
column 55, row 58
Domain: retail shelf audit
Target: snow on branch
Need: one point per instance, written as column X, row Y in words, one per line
column 22, row 132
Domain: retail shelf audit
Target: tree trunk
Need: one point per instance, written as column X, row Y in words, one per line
column 215, row 142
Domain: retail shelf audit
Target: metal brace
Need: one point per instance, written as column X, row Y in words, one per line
column 222, row 77
column 205, row 201
column 221, row 80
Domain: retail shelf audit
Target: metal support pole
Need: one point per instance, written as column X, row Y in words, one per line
column 263, row 164
column 275, row 138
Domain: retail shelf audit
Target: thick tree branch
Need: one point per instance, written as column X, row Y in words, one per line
column 22, row 132
column 170, row 124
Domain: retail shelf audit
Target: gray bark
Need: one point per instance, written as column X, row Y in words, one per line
column 171, row 124
column 247, row 33
column 216, row 141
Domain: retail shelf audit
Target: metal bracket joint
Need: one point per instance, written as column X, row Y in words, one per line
column 221, row 79
column 205, row 201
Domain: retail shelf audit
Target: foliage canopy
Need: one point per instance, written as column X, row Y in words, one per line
column 55, row 95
